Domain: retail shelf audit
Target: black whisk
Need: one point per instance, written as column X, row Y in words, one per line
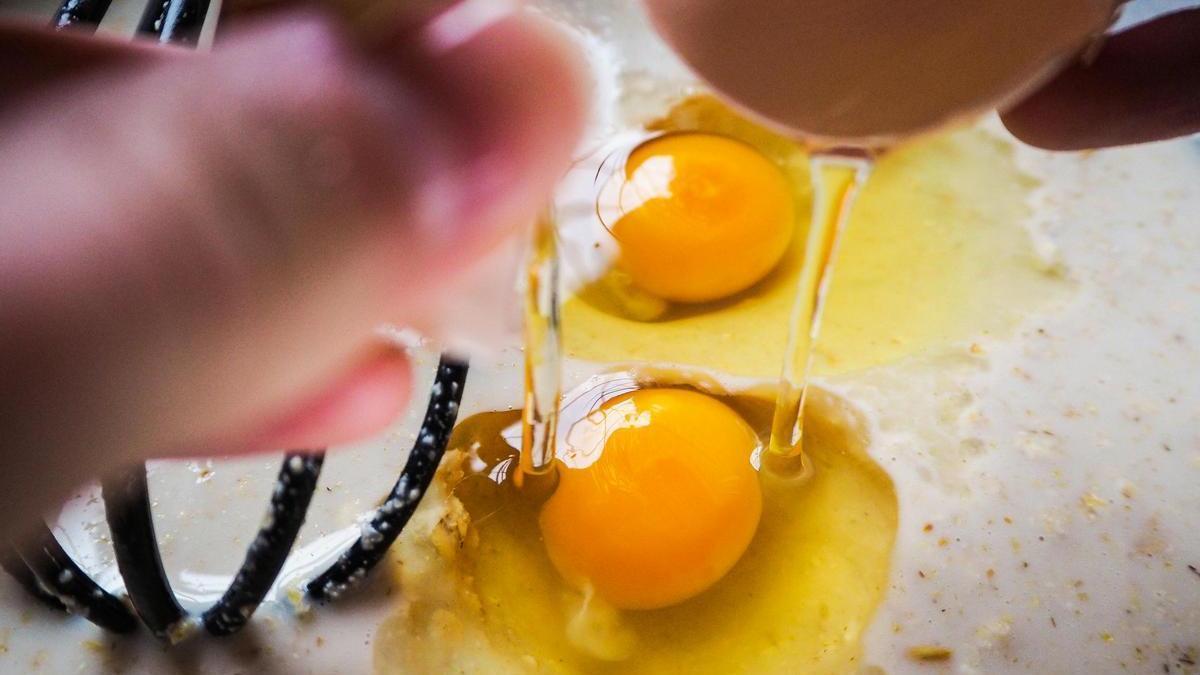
column 46, row 570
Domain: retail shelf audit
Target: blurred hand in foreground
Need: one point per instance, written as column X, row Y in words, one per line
column 195, row 249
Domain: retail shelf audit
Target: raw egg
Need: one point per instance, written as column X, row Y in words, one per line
column 661, row 548
column 937, row 241
column 702, row 216
column 656, row 473
column 667, row 504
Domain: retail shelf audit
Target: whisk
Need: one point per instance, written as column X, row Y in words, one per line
column 44, row 568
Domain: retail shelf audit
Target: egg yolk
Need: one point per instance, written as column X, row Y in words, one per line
column 701, row 217
column 657, row 499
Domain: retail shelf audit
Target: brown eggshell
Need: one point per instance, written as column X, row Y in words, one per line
column 870, row 71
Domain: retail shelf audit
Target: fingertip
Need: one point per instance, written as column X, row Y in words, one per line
column 534, row 88
column 541, row 106
column 1040, row 128
column 516, row 92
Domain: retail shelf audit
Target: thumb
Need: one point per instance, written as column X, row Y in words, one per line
column 194, row 245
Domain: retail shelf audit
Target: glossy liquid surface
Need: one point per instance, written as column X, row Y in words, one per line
column 935, row 254
column 836, row 182
column 796, row 601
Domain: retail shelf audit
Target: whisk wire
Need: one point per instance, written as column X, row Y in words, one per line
column 130, row 522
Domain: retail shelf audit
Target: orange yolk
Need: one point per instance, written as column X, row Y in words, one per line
column 702, row 217
column 662, row 500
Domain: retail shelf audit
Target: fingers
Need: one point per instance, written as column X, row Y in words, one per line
column 207, row 242
column 1144, row 85
column 362, row 401
column 36, row 59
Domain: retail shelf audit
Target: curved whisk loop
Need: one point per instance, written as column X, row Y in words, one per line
column 49, row 573
column 383, row 528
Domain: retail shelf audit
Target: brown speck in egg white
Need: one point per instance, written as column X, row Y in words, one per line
column 928, row 527
column 1092, row 503
column 1150, row 543
column 929, row 653
column 94, row 646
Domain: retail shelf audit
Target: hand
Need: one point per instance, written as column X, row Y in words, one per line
column 195, row 249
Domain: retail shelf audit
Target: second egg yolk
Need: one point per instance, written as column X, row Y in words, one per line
column 702, row 217
column 659, row 501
